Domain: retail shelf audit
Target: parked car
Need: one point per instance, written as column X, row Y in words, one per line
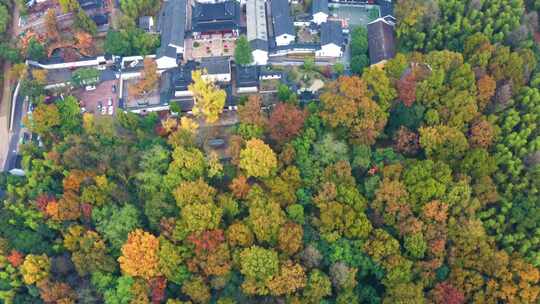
column 111, row 110
column 110, row 102
column 90, row 88
column 114, row 88
column 25, row 138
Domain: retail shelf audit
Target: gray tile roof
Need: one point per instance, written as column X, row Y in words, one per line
column 382, row 41
column 319, row 6
column 165, row 91
column 172, row 24
column 146, row 23
column 259, row 44
column 247, row 76
column 331, row 32
column 256, row 20
column 182, row 76
column 208, row 17
column 166, row 51
column 281, row 18
column 386, row 7
column 216, row 65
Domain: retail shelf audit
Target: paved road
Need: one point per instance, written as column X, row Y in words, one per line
column 15, row 135
column 5, row 102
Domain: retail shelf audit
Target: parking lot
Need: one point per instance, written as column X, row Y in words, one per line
column 101, row 100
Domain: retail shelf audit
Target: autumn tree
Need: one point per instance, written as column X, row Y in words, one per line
column 40, row 76
column 406, row 141
column 140, row 255
column 15, row 258
column 197, row 290
column 239, row 234
column 250, row 113
column 51, row 25
column 380, row 89
column 342, row 276
column 69, row 5
column 18, row 71
column 406, row 87
column 486, row 90
column 482, row 133
column 257, row 265
column 442, row 142
column 265, row 216
column 44, row 118
column 148, row 81
column 239, row 186
column 35, row 268
column 89, row 251
column 172, row 260
column 346, row 104
column 285, row 122
column 290, row 238
column 446, row 293
column 187, row 164
column 197, row 192
column 199, row 212
column 318, row 287
column 291, row 277
column 209, row 99
column 257, row 159
column 84, row 42
column 56, row 292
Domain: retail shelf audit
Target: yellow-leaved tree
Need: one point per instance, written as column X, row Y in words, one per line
column 140, row 255
column 209, row 99
column 258, row 159
column 35, row 268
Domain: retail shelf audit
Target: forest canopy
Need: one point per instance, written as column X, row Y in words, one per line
column 415, row 182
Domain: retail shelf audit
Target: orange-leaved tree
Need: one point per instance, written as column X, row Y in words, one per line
column 140, row 255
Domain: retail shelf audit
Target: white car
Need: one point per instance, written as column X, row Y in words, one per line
column 103, row 110
column 110, row 102
column 111, row 110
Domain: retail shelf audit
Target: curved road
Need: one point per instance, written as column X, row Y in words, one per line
column 9, row 139
column 15, row 135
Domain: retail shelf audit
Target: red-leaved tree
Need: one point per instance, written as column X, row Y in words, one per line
column 285, row 122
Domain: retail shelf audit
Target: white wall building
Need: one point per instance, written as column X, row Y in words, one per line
column 257, row 32
column 284, row 32
column 319, row 11
column 218, row 69
column 332, row 40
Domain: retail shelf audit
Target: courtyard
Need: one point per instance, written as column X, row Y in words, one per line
column 210, row 46
column 132, row 101
column 355, row 15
